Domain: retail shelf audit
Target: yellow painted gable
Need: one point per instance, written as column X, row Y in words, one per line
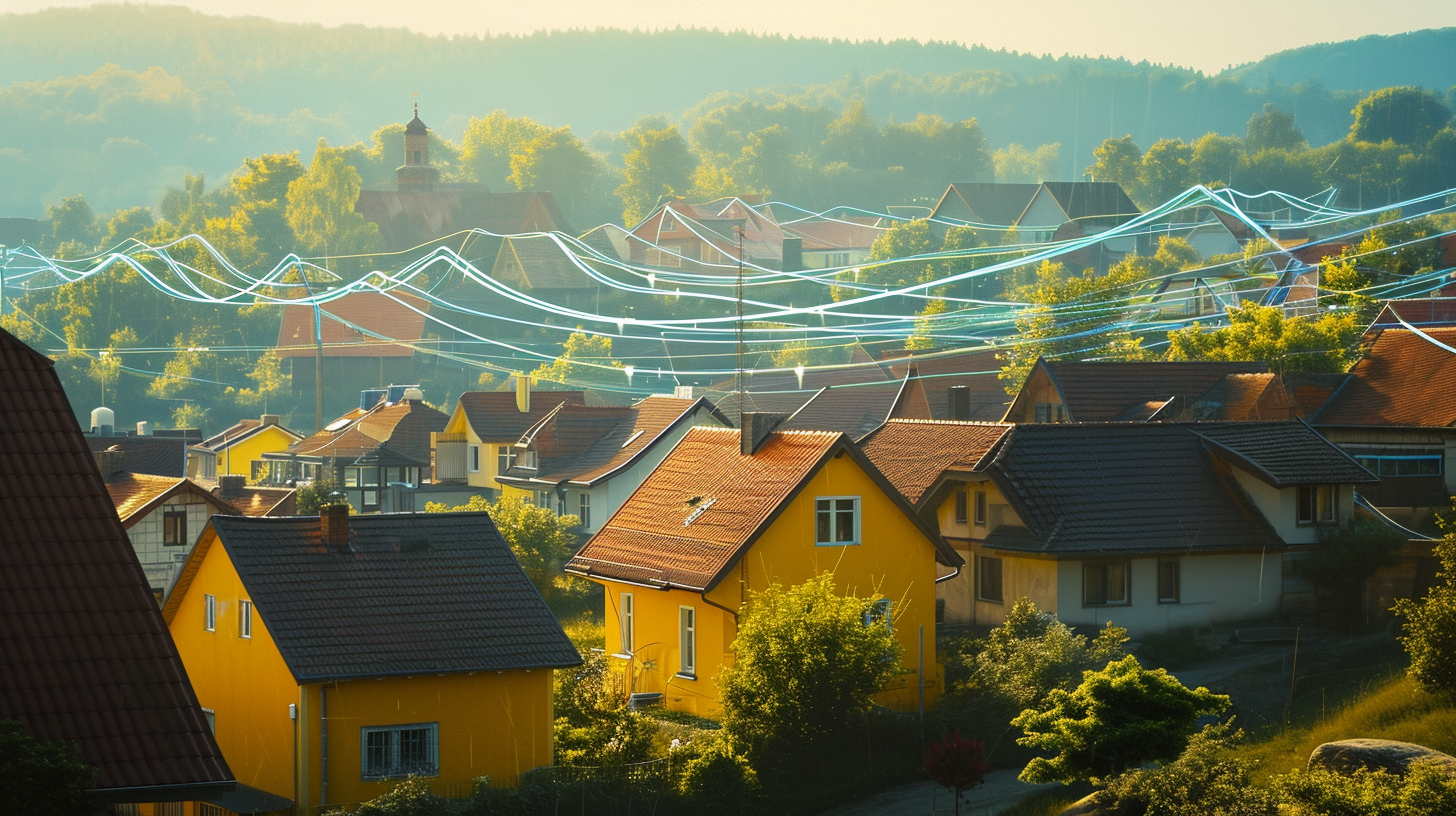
column 237, row 458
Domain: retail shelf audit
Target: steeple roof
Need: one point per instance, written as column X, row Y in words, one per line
column 415, row 126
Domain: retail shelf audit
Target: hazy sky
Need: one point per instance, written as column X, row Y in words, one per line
column 1205, row 34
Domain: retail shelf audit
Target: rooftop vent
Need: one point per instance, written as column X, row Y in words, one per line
column 103, row 421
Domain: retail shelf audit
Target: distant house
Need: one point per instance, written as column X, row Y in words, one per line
column 730, row 511
column 704, row 237
column 478, row 444
column 367, row 336
column 87, row 658
column 586, row 460
column 538, row 266
column 175, row 453
column 830, row 243
column 855, row 410
column 240, row 448
column 958, row 385
column 784, row 392
column 255, row 500
column 1067, row 391
column 342, row 653
column 1418, row 313
column 377, row 455
column 1154, row 527
column 1052, row 210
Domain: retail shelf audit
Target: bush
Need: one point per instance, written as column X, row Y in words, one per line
column 1427, row 790
column 40, row 776
column 719, row 781
column 1206, row 780
column 1118, row 718
column 1430, row 626
column 593, row 724
column 411, row 797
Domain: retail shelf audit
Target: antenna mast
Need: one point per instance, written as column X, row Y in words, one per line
column 738, row 324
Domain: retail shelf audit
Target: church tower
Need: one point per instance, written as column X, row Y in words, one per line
column 416, row 174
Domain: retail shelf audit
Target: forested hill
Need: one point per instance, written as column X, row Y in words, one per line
column 1425, row 58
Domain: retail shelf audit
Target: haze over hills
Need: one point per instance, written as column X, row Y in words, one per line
column 117, row 102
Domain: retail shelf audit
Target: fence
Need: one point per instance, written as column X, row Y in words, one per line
column 662, row 771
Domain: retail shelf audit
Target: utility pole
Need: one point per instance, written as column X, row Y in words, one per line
column 738, row 324
column 318, row 355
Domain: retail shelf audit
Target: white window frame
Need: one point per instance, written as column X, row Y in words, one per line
column 396, row 771
column 474, row 458
column 584, row 506
column 209, row 613
column 687, row 642
column 1310, row 501
column 881, row 609
column 245, row 619
column 626, row 621
column 834, row 510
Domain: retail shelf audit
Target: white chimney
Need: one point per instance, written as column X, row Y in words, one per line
column 144, row 428
column 413, row 394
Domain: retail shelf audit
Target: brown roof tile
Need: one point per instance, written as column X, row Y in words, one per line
column 260, row 501
column 494, row 418
column 87, row 656
column 914, row 454
column 629, row 435
column 388, row 316
column 395, row 434
column 1405, row 379
column 976, row 371
column 1099, row 391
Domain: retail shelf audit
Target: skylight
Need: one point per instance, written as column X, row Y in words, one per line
column 631, row 439
column 338, row 424
column 698, row 511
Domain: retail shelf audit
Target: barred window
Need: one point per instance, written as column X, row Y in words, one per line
column 400, row 750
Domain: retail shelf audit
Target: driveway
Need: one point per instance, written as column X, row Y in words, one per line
column 1000, row 791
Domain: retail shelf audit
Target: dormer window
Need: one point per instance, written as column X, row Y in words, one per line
column 1317, row 504
column 529, row 460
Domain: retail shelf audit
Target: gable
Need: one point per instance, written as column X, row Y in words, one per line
column 1043, row 211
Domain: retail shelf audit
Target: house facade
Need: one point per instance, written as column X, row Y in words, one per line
column 341, row 653
column 478, row 444
column 732, row 511
column 240, row 449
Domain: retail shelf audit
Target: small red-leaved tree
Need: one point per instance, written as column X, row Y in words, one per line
column 956, row 764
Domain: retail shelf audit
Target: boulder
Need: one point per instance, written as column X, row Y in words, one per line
column 1346, row 756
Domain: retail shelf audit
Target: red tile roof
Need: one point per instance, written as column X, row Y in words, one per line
column 850, row 232
column 494, row 418
column 1405, row 379
column 87, row 656
column 388, row 316
column 260, row 501
column 137, row 494
column 1423, row 313
column 395, row 434
column 914, row 454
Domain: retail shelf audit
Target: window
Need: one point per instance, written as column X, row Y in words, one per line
column 530, row 459
column 836, row 520
column 1317, row 504
column 174, row 527
column 981, row 507
column 560, row 504
column 879, row 611
column 1104, row 583
column 585, row 508
column 211, row 719
column 1049, row 412
column 668, row 225
column 989, row 582
column 399, row 750
column 351, row 477
column 627, row 628
column 245, row 619
column 672, row 256
column 474, row 458
column 1168, row 582
column 371, row 500
column 543, row 499
column 687, row 640
column 961, row 507
column 505, row 458
column 415, row 157
column 1383, row 466
column 209, row 613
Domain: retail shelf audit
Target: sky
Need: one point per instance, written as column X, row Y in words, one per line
column 1209, row 35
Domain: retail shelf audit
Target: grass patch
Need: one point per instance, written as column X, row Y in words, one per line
column 1395, row 710
column 668, row 715
column 1171, row 650
column 587, row 631
column 1049, row 802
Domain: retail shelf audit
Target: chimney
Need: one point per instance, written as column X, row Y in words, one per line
column 144, row 428
column 523, row 393
column 271, row 419
column 755, row 427
column 960, row 402
column 334, row 525
column 230, row 486
column 109, row 461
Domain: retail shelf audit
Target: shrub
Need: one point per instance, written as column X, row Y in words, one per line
column 1206, row 780
column 1427, row 790
column 40, row 776
column 593, row 724
column 719, row 781
column 1430, row 626
column 956, row 763
column 411, row 797
column 1116, row 719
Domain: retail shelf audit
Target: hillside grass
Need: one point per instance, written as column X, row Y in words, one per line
column 1393, row 710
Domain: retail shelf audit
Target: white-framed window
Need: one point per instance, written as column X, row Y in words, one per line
column 878, row 611
column 687, row 641
column 981, row 507
column 505, row 458
column 245, row 619
column 530, row 459
column 543, row 499
column 371, row 500
column 836, row 520
column 627, row 623
column 584, row 506
column 474, row 458
column 211, row 719
column 1105, row 583
column 1317, row 504
column 390, row 751
column 990, row 582
column 209, row 613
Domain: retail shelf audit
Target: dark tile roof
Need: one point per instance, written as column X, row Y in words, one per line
column 1120, row 488
column 914, row 454
column 409, row 218
column 977, row 371
column 1283, row 453
column 853, row 410
column 87, row 656
column 1404, row 379
column 1099, row 391
column 152, row 455
column 1088, row 199
column 136, row 494
column 538, row 263
column 623, row 436
column 992, row 203
column 494, row 418
column 413, row 594
column 396, row 316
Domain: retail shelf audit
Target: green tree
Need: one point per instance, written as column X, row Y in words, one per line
column 188, row 415
column 1209, row 778
column 321, row 211
column 1166, row 170
column 1015, row 163
column 268, row 382
column 1327, row 343
column 1118, row 718
column 72, row 221
column 593, row 725
column 884, row 267
column 540, row 539
column 127, row 223
column 1429, row 631
column 1272, row 128
column 1218, row 160
column 490, row 141
column 1406, row 115
column 925, row 326
column 584, row 358
column 265, row 179
column 807, row 662
column 42, row 777
column 1118, row 160
column 557, row 161
column 855, row 138
column 105, row 368
column 660, row 164
column 321, row 493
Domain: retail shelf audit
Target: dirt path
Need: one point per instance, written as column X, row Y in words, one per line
column 1001, row 791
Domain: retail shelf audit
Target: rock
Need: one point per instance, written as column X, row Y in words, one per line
column 1346, row 756
column 1086, row 806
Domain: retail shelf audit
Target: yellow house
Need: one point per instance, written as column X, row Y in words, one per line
column 732, row 511
column 238, row 447
column 339, row 654
column 486, row 426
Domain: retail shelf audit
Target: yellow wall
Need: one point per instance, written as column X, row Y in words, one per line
column 486, row 476
column 245, row 682
column 895, row 560
column 237, row 459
